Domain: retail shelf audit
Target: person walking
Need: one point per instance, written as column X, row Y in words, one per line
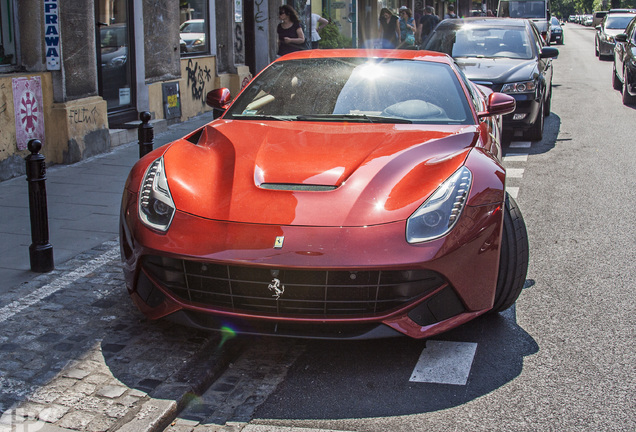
column 451, row 12
column 317, row 24
column 407, row 28
column 389, row 29
column 290, row 35
column 427, row 23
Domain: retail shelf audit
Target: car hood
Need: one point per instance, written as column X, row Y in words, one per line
column 318, row 174
column 190, row 37
column 497, row 70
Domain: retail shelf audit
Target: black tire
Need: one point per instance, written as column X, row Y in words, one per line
column 616, row 82
column 514, row 257
column 596, row 51
column 535, row 133
column 627, row 98
column 547, row 106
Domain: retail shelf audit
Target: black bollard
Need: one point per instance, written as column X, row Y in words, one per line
column 40, row 251
column 146, row 134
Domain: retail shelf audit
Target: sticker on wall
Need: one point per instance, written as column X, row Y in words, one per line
column 29, row 117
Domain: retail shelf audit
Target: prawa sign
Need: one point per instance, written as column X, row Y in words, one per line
column 52, row 35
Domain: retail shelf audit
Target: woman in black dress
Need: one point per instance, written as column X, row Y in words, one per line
column 290, row 35
column 389, row 29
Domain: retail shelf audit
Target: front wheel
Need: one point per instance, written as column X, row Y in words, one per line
column 616, row 81
column 514, row 257
column 535, row 133
column 627, row 98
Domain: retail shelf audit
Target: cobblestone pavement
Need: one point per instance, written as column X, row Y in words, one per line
column 75, row 354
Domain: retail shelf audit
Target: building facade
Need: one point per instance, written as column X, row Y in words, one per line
column 74, row 71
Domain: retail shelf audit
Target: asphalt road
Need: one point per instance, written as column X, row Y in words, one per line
column 76, row 355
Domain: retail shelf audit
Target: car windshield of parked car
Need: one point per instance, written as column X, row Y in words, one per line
column 479, row 41
column 192, row 27
column 617, row 22
column 355, row 90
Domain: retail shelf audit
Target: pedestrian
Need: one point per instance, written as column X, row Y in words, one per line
column 451, row 12
column 290, row 35
column 317, row 24
column 389, row 29
column 427, row 23
column 407, row 28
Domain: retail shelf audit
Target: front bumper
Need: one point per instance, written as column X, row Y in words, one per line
column 526, row 112
column 341, row 282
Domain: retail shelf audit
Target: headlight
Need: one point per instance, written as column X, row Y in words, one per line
column 440, row 211
column 156, row 207
column 198, row 42
column 519, row 87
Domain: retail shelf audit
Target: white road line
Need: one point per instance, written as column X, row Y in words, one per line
column 520, row 144
column 512, row 191
column 445, row 362
column 515, row 157
column 514, row 172
column 63, row 281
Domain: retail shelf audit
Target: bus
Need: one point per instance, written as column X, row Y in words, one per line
column 535, row 10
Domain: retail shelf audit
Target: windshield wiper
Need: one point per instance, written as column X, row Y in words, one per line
column 260, row 117
column 353, row 117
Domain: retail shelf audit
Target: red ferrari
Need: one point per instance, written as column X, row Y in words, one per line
column 341, row 194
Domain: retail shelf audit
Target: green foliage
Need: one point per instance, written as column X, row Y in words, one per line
column 330, row 37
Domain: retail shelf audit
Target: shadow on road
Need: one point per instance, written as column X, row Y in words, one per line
column 337, row 380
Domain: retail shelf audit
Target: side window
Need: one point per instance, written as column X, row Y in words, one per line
column 194, row 27
column 7, row 34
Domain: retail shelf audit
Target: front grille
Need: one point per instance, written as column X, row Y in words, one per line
column 306, row 293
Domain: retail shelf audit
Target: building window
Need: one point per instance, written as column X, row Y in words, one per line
column 7, row 34
column 194, row 27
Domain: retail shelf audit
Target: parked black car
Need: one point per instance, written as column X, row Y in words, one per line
column 509, row 56
column 624, row 74
column 613, row 23
column 556, row 34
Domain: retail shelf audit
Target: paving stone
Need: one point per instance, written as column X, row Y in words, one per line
column 112, row 391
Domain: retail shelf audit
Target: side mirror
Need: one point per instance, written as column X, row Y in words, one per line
column 549, row 52
column 498, row 104
column 219, row 98
column 622, row 37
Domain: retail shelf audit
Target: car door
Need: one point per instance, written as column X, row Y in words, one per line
column 621, row 49
column 544, row 65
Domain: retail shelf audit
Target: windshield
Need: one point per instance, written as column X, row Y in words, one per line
column 192, row 27
column 522, row 9
column 355, row 89
column 617, row 22
column 477, row 41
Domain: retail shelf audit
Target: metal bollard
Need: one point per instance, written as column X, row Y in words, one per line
column 40, row 251
column 146, row 134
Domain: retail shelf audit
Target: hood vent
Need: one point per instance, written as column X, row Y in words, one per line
column 297, row 187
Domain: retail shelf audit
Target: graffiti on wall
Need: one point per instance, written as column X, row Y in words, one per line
column 83, row 115
column 29, row 117
column 259, row 15
column 197, row 78
column 239, row 51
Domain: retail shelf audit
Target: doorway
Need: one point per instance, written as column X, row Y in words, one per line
column 115, row 65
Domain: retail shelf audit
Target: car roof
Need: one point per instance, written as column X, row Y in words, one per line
column 621, row 14
column 371, row 53
column 488, row 21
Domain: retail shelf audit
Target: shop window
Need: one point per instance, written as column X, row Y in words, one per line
column 7, row 34
column 194, row 27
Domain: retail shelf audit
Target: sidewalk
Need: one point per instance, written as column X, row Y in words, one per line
column 83, row 202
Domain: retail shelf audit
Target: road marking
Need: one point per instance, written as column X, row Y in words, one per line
column 515, row 157
column 63, row 281
column 520, row 144
column 445, row 362
column 512, row 191
column 514, row 172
